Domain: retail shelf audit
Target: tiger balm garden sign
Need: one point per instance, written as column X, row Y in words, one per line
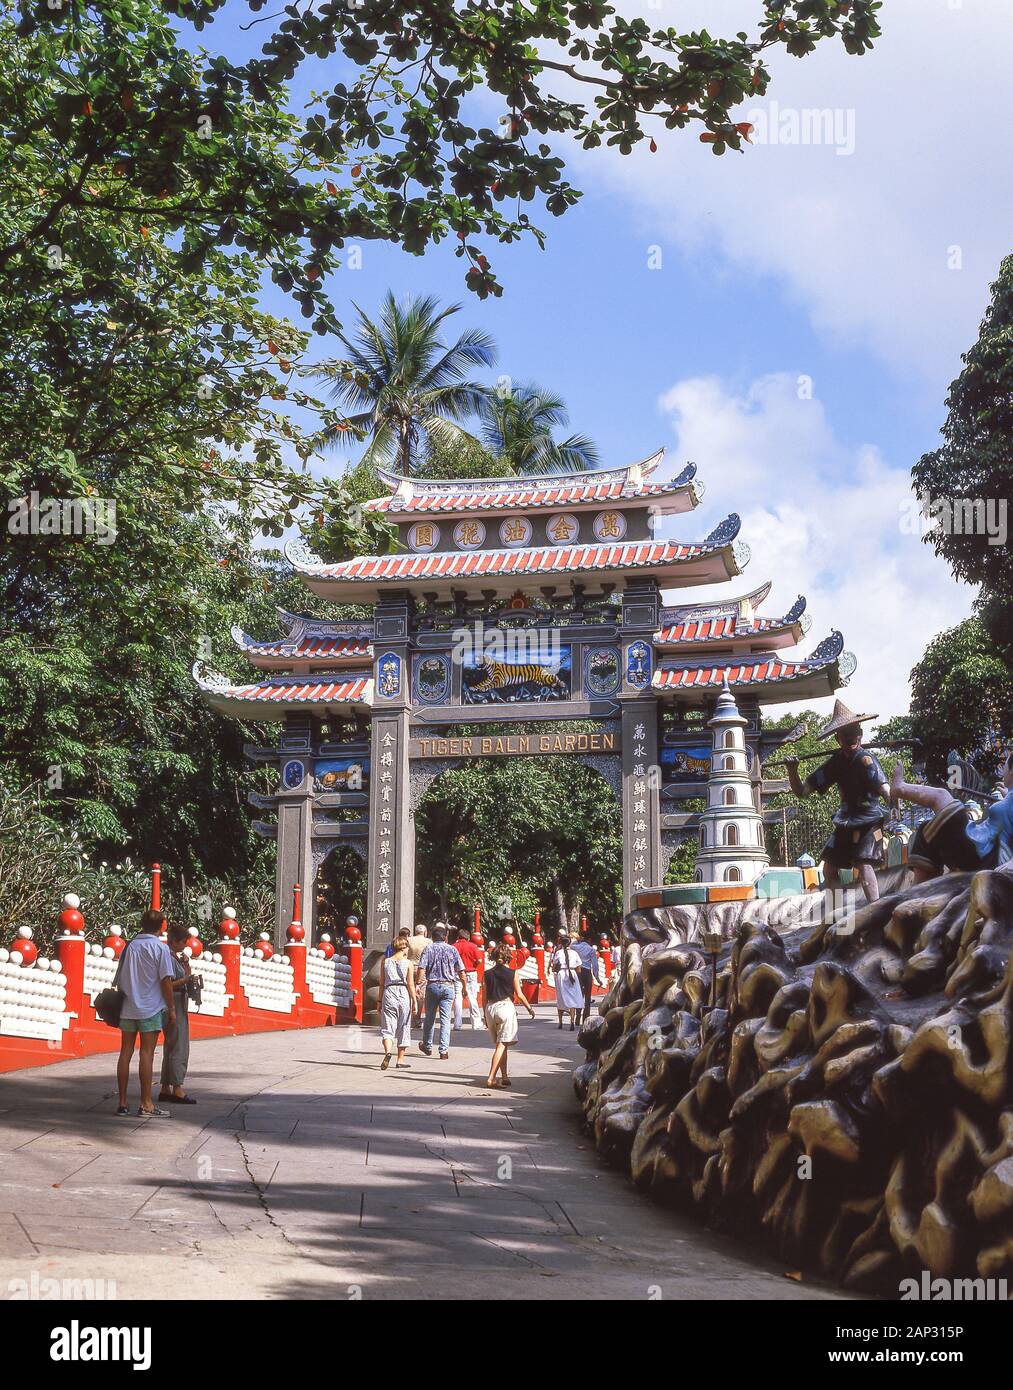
column 514, row 745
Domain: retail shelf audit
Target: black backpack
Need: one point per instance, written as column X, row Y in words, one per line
column 109, row 1002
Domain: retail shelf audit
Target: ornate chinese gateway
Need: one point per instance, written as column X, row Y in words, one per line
column 514, row 601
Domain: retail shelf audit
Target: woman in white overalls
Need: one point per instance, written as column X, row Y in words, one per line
column 398, row 1002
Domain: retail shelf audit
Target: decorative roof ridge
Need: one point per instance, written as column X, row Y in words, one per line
column 514, row 482
column 689, row 612
column 214, row 683
column 324, row 627
column 299, row 555
column 825, row 652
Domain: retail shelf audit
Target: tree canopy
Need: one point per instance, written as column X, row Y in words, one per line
column 967, row 483
column 394, row 150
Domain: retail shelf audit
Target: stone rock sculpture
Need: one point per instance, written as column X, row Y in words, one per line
column 847, row 1101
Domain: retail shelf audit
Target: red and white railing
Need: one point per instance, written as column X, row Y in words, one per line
column 47, row 1009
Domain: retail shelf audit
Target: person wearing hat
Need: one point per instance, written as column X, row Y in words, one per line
column 857, row 839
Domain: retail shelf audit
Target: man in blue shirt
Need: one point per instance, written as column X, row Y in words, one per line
column 588, row 972
column 951, row 840
column 441, row 966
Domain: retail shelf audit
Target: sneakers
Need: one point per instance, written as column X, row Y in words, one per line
column 425, row 1050
column 444, row 1056
column 153, row 1114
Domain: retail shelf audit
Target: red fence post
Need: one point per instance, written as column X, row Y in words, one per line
column 353, row 945
column 156, row 887
column 296, row 951
column 71, row 949
column 230, row 950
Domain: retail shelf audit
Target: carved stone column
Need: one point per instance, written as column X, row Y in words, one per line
column 391, row 886
column 641, row 767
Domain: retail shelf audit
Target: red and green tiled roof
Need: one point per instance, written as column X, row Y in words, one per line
column 618, row 486
column 823, row 671
column 309, row 640
column 685, row 563
column 272, row 698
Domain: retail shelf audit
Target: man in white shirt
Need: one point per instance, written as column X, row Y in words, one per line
column 145, row 977
column 588, row 971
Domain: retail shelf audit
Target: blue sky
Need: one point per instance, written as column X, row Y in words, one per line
column 808, row 315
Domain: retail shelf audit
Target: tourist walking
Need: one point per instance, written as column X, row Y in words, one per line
column 403, row 935
column 144, row 976
column 441, row 966
column 502, row 995
column 470, row 958
column 565, row 968
column 589, row 973
column 398, row 1002
column 417, row 943
column 176, row 1047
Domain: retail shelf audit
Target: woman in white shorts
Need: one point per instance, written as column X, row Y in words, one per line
column 502, row 994
column 398, row 1002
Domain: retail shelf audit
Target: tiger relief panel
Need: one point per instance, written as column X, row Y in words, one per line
column 543, row 675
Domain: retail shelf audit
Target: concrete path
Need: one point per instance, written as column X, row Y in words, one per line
column 306, row 1172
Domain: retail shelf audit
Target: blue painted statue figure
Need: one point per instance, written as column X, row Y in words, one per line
column 951, row 839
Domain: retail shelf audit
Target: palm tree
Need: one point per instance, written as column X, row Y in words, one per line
column 518, row 427
column 402, row 384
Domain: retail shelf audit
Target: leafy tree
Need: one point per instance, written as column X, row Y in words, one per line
column 969, row 477
column 392, row 151
column 461, row 456
column 403, row 384
column 516, row 833
column 962, row 698
column 421, row 166
column 518, row 426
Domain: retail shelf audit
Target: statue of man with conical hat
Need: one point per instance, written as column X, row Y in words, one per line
column 857, row 839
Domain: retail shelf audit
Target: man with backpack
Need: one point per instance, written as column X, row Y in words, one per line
column 144, row 978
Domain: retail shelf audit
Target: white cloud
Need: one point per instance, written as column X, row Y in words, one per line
column 820, row 520
column 862, row 241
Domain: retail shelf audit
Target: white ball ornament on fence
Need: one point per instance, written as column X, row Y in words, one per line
column 108, row 952
column 71, row 900
column 25, row 933
column 5, row 955
column 55, row 966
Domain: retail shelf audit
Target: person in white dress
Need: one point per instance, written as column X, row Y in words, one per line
column 565, row 968
column 398, row 1002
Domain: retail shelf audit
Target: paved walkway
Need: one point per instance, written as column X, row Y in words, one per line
column 305, row 1172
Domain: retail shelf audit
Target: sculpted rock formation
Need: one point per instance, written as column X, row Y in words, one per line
column 847, row 1100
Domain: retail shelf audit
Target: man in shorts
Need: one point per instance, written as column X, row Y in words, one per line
column 857, row 839
column 145, row 976
column 951, row 839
